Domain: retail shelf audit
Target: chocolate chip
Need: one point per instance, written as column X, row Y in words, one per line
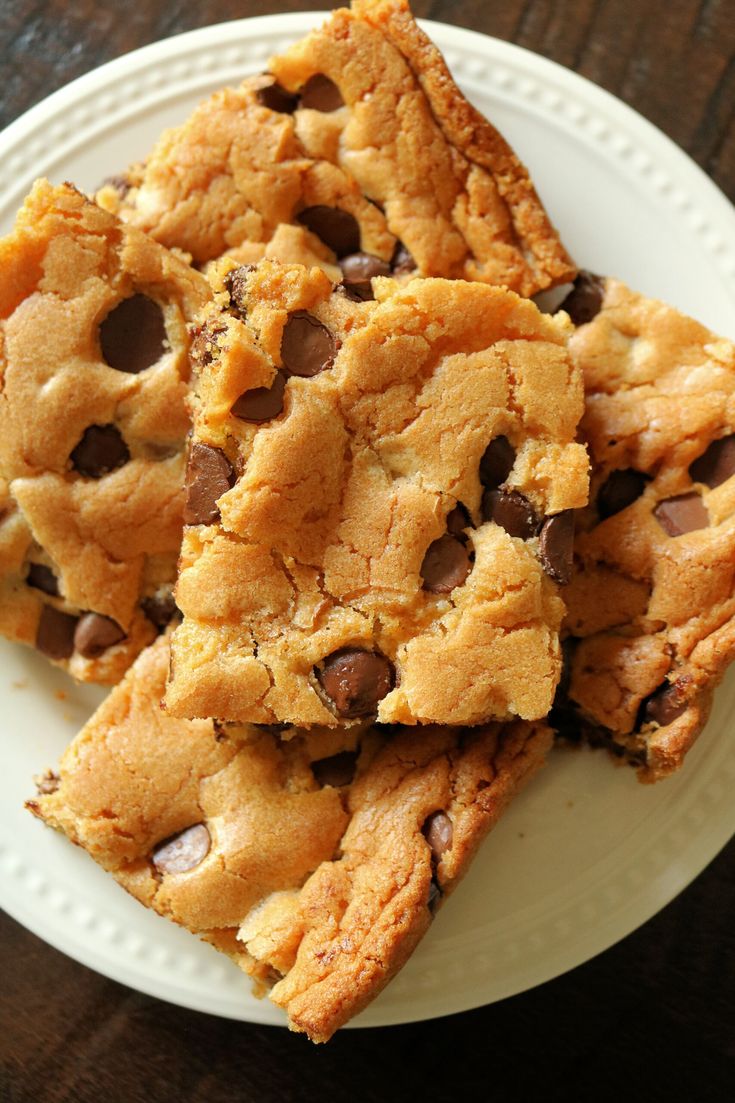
column 160, row 608
column 261, row 403
column 438, row 832
column 359, row 268
column 337, row 770
column 446, row 564
column 402, row 262
column 458, row 519
column 307, row 346
column 183, row 851
column 101, row 450
column 133, row 335
column 95, row 633
column 556, row 546
column 236, row 283
column 275, row 97
column 47, row 783
column 685, row 513
column 209, row 475
column 511, row 511
column 355, row 680
column 121, row 184
column 584, row 301
column 667, row 703
column 41, row 577
column 620, row 489
column 435, row 895
column 55, row 633
column 321, row 94
column 497, row 462
column 717, row 464
column 204, row 344
column 338, row 229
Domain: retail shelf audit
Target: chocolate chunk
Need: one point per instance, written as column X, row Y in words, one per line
column 101, row 450
column 275, row 97
column 556, row 546
column 458, row 519
column 307, row 346
column 203, row 347
column 359, row 268
column 209, row 475
column 511, row 511
column 160, row 608
column 717, row 464
column 337, row 770
column 321, row 94
column 584, row 301
column 41, row 577
column 620, row 489
column 236, row 283
column 338, row 229
column 685, row 513
column 95, row 633
column 55, row 633
column 261, row 403
column 133, row 335
column 446, row 564
column 667, row 703
column 355, row 680
column 497, row 462
column 183, row 851
column 402, row 262
column 438, row 832
column 46, row 783
column 435, row 895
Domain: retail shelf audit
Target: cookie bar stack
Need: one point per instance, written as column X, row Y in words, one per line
column 298, row 384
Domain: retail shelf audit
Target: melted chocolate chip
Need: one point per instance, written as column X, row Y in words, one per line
column 41, row 577
column 556, row 546
column 446, row 564
column 204, row 344
column 209, row 475
column 359, row 268
column 338, row 229
column 667, row 703
column 511, row 511
column 337, row 770
column 497, row 462
column 584, row 301
column 95, row 633
column 438, row 832
column 236, row 283
column 355, row 680
column 620, row 490
column 685, row 513
column 307, row 346
column 160, row 608
column 261, row 403
column 458, row 519
column 402, row 262
column 55, row 633
column 133, row 335
column 101, row 450
column 183, row 851
column 321, row 94
column 717, row 464
column 276, row 98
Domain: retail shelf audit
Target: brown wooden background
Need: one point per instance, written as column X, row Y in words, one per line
column 654, row 1017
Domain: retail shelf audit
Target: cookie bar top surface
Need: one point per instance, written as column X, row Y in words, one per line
column 379, row 503
column 93, row 419
column 652, row 604
column 357, row 141
column 315, row 862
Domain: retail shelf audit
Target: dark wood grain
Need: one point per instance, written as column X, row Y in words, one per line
column 653, row 1017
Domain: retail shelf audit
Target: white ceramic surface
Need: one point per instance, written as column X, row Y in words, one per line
column 587, row 854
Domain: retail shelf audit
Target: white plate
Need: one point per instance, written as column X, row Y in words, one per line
column 587, row 854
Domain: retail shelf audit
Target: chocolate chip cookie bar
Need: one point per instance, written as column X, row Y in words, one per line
column 316, row 863
column 93, row 419
column 356, row 151
column 652, row 604
column 379, row 508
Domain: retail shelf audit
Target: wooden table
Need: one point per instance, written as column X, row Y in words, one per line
column 653, row 1018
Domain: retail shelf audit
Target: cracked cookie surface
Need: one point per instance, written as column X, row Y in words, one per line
column 316, row 862
column 93, row 419
column 652, row 603
column 378, row 503
column 356, row 142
